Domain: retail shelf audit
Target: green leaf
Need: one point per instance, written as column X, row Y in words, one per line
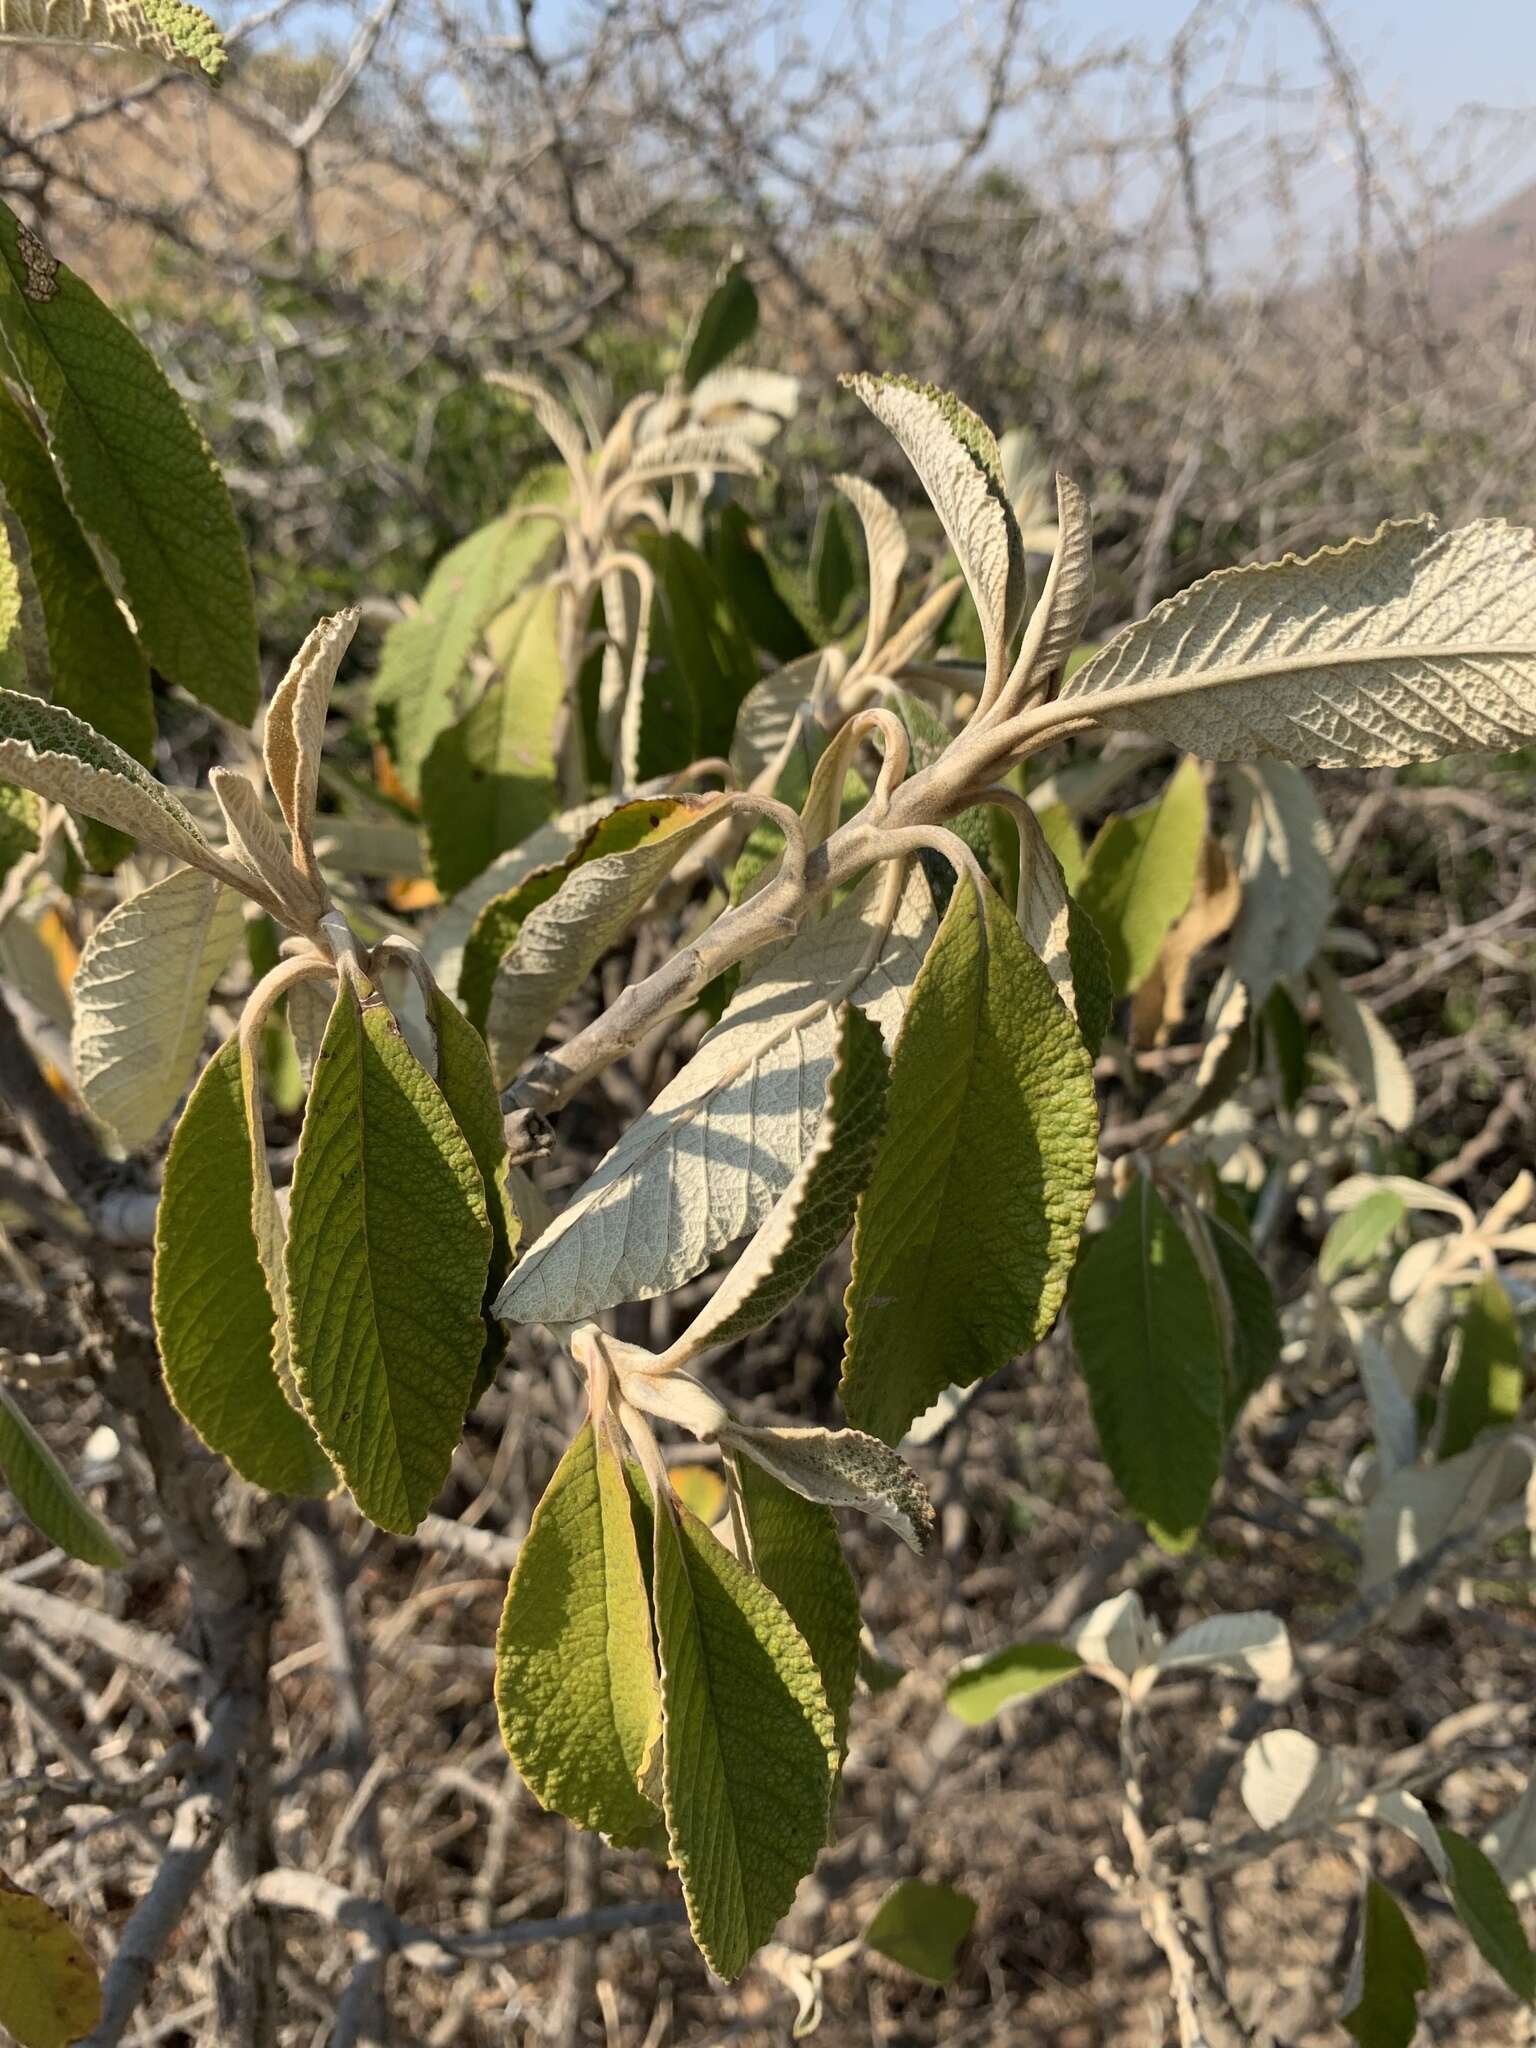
column 489, row 780
column 1356, row 1237
column 388, row 1249
column 986, row 1166
column 14, row 646
column 44, row 1493
column 750, row 1747
column 1389, row 1974
column 1140, row 875
column 141, row 999
column 921, row 1926
column 1256, row 1335
column 576, row 1685
column 172, row 30
column 702, row 664
column 815, row 1212
column 1064, row 840
column 213, row 1313
column 1091, row 980
column 979, row 1690
column 727, row 319
column 1286, row 1036
column 96, row 667
column 19, row 820
column 1489, row 1915
column 554, row 936
column 798, row 1556
column 1150, row 1349
column 139, row 476
column 465, row 1080
column 49, row 1991
column 1488, row 1384
column 47, row 749
column 754, row 586
column 423, row 675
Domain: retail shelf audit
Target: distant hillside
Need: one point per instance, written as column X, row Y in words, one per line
column 1493, row 259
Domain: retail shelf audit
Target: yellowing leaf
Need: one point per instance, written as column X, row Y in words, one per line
column 490, row 779
column 1140, row 875
column 388, row 1248
column 49, row 1992
column 1406, row 647
column 986, row 1164
column 749, row 1745
column 576, row 1685
column 141, row 999
column 213, row 1312
column 561, row 927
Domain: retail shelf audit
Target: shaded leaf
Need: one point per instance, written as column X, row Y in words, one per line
column 1382, row 2009
column 213, row 1312
column 1150, row 1349
column 44, row 1493
column 1287, row 881
column 921, row 1926
column 49, row 1991
column 1486, row 1911
column 1368, row 1050
column 726, row 320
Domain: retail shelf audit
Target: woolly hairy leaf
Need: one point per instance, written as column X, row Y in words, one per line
column 424, row 661
column 1484, row 1908
column 172, row 30
column 1286, row 877
column 986, row 1167
column 576, row 1685
column 1389, row 1973
column 797, row 1555
column 1287, row 1779
column 1368, row 1050
column 560, row 933
column 957, row 461
column 769, row 714
column 95, row 666
column 1256, row 1646
column 1488, row 1384
column 1056, row 624
column 1159, row 1005
column 885, row 546
column 1413, row 1509
column 840, row 1468
column 725, row 1137
column 139, row 476
column 295, row 730
column 749, row 1742
column 388, row 1246
column 983, row 1688
column 921, row 1926
column 1150, row 1349
column 141, row 999
column 44, row 1493
column 1140, row 875
column 490, row 780
column 1044, row 907
column 815, row 1212
column 213, row 1312
column 49, row 1991
column 1405, row 647
column 49, row 750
